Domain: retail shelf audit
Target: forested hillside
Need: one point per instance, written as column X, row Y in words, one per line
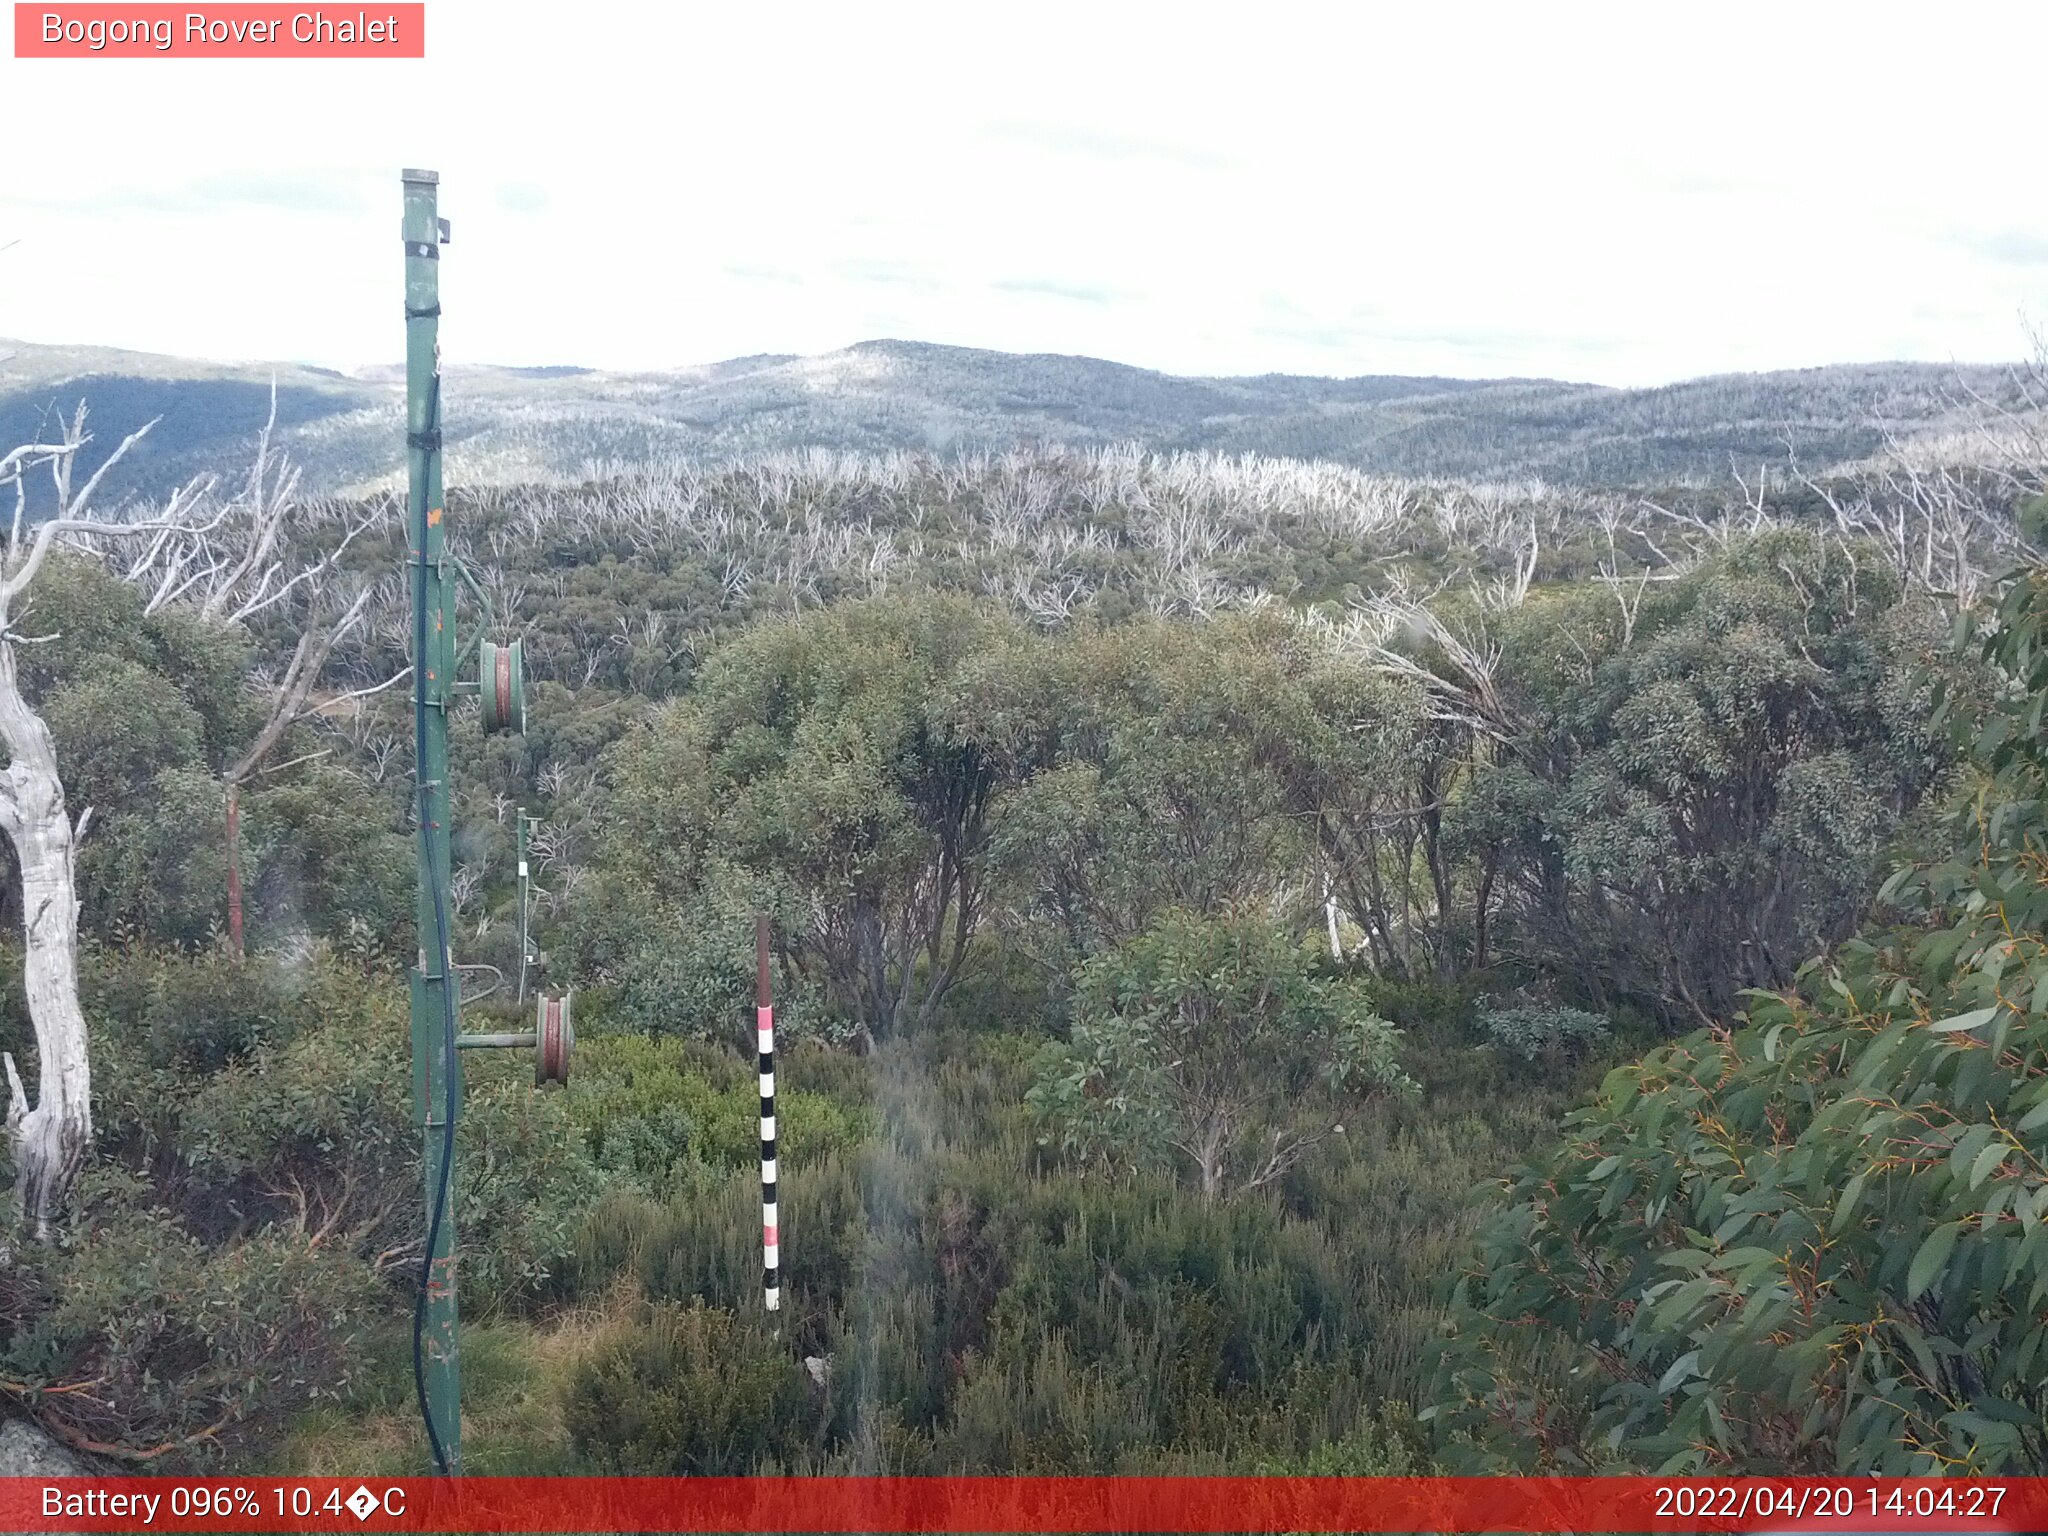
column 1191, row 876
column 513, row 425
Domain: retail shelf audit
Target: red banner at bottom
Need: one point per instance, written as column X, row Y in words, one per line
column 1004, row 1504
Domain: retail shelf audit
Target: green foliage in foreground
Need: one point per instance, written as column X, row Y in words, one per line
column 253, row 1215
column 1819, row 1242
column 969, row 1304
column 692, row 1390
column 1211, row 1043
column 235, row 1283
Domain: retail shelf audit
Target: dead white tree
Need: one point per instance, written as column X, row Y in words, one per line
column 1401, row 632
column 1505, row 593
column 1932, row 522
column 1628, row 592
column 51, row 1136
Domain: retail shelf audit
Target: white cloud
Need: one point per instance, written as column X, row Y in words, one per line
column 1624, row 193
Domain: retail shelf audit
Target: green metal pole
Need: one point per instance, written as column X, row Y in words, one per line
column 436, row 1089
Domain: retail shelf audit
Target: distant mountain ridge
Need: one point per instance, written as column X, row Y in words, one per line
column 551, row 422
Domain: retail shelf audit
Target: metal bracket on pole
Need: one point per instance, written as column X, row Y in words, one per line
column 486, row 621
column 552, row 1040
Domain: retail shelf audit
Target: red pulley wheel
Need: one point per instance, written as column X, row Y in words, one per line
column 501, row 684
column 555, row 1037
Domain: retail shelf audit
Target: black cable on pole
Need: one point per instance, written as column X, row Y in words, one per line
column 448, row 1022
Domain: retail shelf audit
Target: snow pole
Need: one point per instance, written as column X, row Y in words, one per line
column 764, row 1028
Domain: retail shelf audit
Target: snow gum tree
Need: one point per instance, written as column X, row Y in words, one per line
column 50, row 1136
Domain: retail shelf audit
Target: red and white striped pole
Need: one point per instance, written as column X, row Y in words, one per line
column 764, row 1025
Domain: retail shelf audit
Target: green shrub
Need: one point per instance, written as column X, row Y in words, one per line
column 259, row 1096
column 1211, row 1045
column 1437, row 1010
column 1003, row 990
column 179, row 1344
column 1047, row 1414
column 1542, row 1032
column 160, row 872
column 690, row 1390
column 207, row 1010
column 321, row 855
column 524, row 1184
column 647, row 1105
column 114, row 728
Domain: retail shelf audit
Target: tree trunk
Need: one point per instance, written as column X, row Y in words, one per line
column 1208, row 1154
column 49, row 1140
column 1479, row 914
column 1440, row 887
column 235, row 869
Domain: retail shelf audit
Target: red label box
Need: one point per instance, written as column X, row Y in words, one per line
column 965, row 1506
column 373, row 30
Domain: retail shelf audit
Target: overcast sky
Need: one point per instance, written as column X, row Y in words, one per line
column 1626, row 195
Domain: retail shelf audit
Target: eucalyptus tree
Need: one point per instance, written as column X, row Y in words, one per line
column 1410, row 704
column 1705, row 785
column 1210, row 1043
column 1163, row 780
column 1813, row 1242
column 269, row 557
column 831, row 766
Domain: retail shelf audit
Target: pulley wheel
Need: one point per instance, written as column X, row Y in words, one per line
column 554, row 1038
column 501, row 684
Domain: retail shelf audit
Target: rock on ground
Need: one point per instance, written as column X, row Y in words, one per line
column 26, row 1451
